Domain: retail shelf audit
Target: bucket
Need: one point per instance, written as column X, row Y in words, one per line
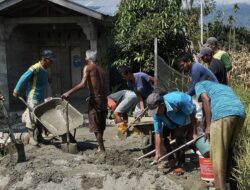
column 206, row 168
column 203, row 146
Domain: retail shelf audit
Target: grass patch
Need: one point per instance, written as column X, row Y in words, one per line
column 242, row 170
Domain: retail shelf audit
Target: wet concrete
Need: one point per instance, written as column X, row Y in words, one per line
column 48, row 167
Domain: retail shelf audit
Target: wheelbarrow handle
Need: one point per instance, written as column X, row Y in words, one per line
column 25, row 103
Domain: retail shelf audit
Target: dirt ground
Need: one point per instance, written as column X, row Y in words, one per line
column 48, row 167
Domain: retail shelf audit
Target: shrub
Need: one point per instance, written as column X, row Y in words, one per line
column 242, row 170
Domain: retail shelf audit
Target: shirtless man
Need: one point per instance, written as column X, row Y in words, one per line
column 95, row 80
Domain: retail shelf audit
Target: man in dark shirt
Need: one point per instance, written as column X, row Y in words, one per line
column 215, row 65
column 197, row 71
column 141, row 84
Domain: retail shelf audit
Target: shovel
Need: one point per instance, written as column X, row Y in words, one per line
column 19, row 146
column 68, row 147
column 175, row 150
column 123, row 135
column 152, row 152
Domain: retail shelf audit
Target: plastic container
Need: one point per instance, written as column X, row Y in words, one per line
column 206, row 168
column 203, row 146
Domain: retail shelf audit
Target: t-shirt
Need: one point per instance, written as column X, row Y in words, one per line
column 36, row 78
column 223, row 100
column 224, row 57
column 179, row 107
column 141, row 84
column 219, row 70
column 198, row 71
column 117, row 96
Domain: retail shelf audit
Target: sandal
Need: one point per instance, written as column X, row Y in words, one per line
column 178, row 171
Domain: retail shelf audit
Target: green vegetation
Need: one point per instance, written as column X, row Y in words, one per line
column 242, row 171
column 139, row 22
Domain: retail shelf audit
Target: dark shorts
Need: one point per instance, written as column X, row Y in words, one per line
column 97, row 114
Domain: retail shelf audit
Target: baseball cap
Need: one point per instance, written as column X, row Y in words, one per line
column 153, row 102
column 91, row 55
column 211, row 41
column 48, row 54
column 205, row 51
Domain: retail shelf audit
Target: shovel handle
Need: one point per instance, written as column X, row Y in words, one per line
column 153, row 151
column 145, row 155
column 175, row 150
column 25, row 103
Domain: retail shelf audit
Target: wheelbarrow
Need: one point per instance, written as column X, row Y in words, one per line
column 59, row 118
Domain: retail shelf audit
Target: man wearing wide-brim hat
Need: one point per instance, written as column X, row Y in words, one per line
column 173, row 111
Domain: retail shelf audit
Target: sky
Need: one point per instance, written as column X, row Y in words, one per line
column 232, row 1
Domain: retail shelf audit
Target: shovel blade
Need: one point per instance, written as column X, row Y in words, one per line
column 69, row 148
column 18, row 148
column 20, row 152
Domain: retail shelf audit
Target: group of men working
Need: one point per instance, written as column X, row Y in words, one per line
column 175, row 111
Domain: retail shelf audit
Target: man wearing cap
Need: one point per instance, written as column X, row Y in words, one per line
column 141, row 83
column 36, row 79
column 94, row 78
column 175, row 111
column 212, row 43
column 197, row 71
column 224, row 117
column 215, row 65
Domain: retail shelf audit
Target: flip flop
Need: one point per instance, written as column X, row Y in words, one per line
column 178, row 171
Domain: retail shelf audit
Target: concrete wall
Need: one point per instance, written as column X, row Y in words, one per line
column 24, row 47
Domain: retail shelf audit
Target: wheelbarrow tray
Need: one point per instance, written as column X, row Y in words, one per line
column 52, row 115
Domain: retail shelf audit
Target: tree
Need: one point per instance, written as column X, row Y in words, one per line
column 139, row 22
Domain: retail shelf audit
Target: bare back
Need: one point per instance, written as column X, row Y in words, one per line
column 95, row 79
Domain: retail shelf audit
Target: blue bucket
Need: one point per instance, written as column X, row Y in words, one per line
column 203, row 146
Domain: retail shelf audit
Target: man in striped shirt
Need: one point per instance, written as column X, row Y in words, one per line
column 36, row 79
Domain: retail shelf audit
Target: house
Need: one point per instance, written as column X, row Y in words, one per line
column 68, row 27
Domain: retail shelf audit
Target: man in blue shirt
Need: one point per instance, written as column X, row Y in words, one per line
column 186, row 64
column 224, row 116
column 141, row 84
column 174, row 111
column 36, row 80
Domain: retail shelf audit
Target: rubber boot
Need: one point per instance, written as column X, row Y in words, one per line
column 122, row 127
column 33, row 137
column 136, row 132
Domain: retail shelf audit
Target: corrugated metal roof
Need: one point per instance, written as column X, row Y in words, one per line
column 105, row 7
